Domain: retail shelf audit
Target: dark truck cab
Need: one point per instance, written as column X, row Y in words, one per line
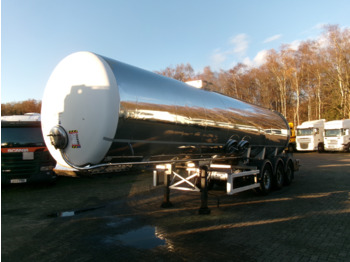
column 24, row 155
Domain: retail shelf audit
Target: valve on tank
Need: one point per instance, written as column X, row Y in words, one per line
column 233, row 146
column 58, row 137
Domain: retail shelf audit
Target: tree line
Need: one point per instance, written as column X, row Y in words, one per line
column 20, row 108
column 305, row 83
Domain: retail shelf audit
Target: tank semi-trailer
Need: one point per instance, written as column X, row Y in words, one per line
column 337, row 135
column 99, row 113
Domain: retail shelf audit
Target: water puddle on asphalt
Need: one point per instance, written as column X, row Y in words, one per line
column 73, row 213
column 115, row 223
column 145, row 237
column 66, row 214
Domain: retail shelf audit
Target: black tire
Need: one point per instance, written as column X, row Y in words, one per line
column 320, row 148
column 289, row 173
column 265, row 178
column 278, row 178
column 348, row 148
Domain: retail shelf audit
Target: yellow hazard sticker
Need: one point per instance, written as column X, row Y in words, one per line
column 74, row 137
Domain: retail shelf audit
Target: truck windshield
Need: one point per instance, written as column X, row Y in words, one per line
column 333, row 132
column 304, row 132
column 21, row 137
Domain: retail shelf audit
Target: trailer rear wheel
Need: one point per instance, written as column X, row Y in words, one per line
column 278, row 178
column 289, row 173
column 266, row 175
column 347, row 148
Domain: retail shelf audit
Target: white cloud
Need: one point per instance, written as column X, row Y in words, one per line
column 236, row 49
column 260, row 58
column 319, row 26
column 295, row 44
column 272, row 38
column 218, row 58
column 314, row 31
column 240, row 44
column 322, row 41
column 248, row 62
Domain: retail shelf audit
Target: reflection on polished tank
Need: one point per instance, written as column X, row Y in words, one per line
column 98, row 110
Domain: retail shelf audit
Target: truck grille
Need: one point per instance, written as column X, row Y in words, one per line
column 304, row 145
column 304, row 140
column 13, row 164
column 332, row 142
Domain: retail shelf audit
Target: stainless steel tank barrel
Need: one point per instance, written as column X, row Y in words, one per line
column 98, row 110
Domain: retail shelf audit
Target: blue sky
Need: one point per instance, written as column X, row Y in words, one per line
column 151, row 34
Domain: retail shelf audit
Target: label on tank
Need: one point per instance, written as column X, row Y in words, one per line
column 74, row 137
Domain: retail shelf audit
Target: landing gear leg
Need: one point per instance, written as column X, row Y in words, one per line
column 204, row 210
column 166, row 201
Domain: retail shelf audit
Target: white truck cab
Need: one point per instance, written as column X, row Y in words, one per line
column 310, row 136
column 337, row 135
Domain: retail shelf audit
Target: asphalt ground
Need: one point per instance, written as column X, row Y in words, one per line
column 118, row 218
